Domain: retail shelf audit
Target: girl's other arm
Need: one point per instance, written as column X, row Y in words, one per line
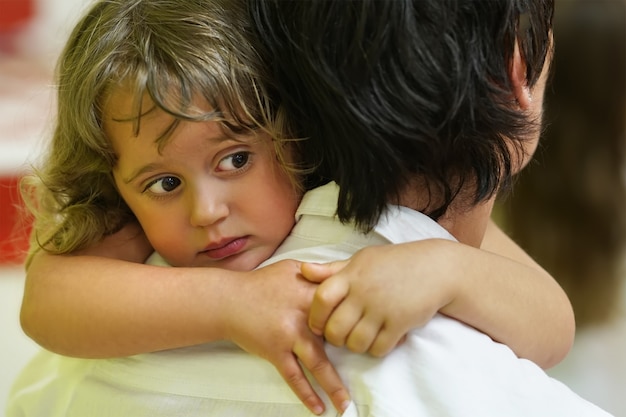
column 374, row 298
column 531, row 312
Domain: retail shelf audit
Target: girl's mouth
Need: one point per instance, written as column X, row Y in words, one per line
column 226, row 248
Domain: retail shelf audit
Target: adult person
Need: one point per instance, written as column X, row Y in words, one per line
column 263, row 396
column 71, row 215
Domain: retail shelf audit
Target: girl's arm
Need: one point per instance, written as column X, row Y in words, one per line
column 98, row 307
column 374, row 298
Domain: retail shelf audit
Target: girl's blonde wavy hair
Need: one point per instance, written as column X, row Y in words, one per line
column 173, row 51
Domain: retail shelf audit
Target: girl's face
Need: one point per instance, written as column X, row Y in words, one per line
column 205, row 199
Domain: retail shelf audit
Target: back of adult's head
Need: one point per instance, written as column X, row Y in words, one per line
column 389, row 91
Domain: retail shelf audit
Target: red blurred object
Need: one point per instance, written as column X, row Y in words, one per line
column 15, row 13
column 14, row 225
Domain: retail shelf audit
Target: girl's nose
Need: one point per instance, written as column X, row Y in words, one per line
column 207, row 208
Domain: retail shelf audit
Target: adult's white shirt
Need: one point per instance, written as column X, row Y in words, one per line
column 443, row 369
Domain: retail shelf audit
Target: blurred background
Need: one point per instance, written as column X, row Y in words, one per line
column 567, row 208
column 32, row 32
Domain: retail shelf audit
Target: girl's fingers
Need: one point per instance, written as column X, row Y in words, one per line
column 327, row 297
column 313, row 357
column 315, row 272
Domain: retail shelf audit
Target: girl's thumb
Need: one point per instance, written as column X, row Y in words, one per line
column 316, row 272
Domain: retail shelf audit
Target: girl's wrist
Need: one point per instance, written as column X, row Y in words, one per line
column 452, row 258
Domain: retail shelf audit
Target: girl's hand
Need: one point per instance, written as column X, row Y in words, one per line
column 269, row 319
column 369, row 302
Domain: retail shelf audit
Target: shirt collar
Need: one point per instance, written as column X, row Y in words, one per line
column 398, row 224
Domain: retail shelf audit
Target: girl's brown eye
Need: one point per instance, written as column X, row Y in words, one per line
column 234, row 161
column 239, row 160
column 163, row 185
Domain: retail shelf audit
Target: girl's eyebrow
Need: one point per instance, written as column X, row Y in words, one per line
column 154, row 166
column 146, row 168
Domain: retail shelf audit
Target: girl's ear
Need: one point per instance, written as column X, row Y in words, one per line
column 518, row 79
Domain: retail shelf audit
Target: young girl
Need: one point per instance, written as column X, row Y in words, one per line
column 162, row 129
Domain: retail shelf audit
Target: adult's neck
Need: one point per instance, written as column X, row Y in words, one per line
column 468, row 225
column 466, row 222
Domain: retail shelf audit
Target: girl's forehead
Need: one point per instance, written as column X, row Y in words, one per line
column 124, row 110
column 134, row 100
column 125, row 102
column 143, row 117
column 134, row 104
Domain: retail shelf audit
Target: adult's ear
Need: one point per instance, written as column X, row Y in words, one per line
column 518, row 79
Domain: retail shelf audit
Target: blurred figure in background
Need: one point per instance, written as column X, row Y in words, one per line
column 574, row 193
column 568, row 208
